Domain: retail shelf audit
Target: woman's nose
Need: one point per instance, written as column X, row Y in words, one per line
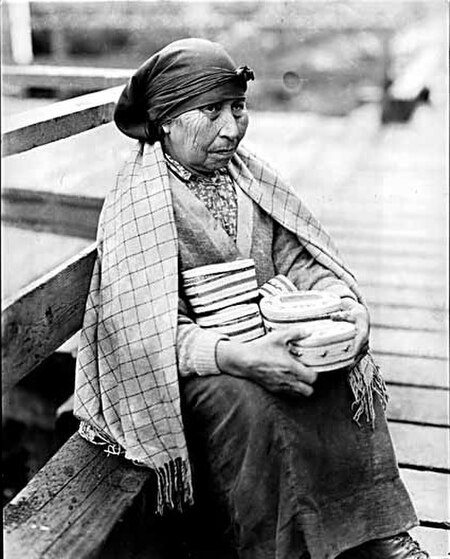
column 229, row 127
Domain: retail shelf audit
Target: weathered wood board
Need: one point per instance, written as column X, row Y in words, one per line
column 407, row 370
column 421, row 446
column 70, row 507
column 436, row 542
column 429, row 406
column 43, row 316
column 424, row 488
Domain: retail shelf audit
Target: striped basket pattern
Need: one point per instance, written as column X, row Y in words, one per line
column 243, row 323
column 218, row 286
column 276, row 285
column 224, row 298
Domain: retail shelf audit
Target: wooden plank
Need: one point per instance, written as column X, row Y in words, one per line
column 69, row 508
column 421, row 446
column 57, row 121
column 410, row 343
column 432, row 299
column 357, row 245
column 436, row 542
column 43, row 316
column 53, row 212
column 428, row 406
column 30, row 255
column 395, row 235
column 424, row 281
column 409, row 370
column 367, row 263
column 424, row 488
column 66, row 77
column 408, row 318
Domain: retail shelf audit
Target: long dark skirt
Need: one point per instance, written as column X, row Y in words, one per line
column 288, row 477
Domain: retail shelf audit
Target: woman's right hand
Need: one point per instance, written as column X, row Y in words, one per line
column 268, row 362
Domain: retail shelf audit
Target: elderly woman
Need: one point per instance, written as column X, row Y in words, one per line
column 291, row 463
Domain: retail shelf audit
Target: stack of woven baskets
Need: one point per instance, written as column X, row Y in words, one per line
column 225, row 297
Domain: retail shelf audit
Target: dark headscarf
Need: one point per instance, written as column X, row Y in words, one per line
column 184, row 75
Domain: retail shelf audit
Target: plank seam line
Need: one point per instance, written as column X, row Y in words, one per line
column 413, row 356
column 424, row 386
column 408, row 328
column 407, row 306
column 418, row 468
column 420, row 423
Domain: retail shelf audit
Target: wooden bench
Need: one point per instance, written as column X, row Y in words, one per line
column 84, row 503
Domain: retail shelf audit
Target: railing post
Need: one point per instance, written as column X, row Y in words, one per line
column 20, row 31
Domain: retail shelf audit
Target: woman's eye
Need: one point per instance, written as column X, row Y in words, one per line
column 238, row 107
column 213, row 109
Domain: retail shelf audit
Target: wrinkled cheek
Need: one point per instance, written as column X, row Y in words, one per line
column 197, row 132
column 242, row 126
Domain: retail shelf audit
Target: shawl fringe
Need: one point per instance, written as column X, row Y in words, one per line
column 365, row 382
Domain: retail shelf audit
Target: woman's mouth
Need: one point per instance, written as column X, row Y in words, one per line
column 224, row 152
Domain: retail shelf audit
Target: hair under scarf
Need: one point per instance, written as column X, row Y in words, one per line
column 184, row 75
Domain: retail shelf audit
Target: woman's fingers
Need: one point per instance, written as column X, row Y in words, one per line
column 347, row 316
column 294, row 333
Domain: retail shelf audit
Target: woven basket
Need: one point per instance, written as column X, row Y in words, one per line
column 218, row 286
column 330, row 343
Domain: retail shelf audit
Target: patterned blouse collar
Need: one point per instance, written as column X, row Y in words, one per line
column 188, row 176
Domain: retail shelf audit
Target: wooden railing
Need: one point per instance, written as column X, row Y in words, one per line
column 55, row 122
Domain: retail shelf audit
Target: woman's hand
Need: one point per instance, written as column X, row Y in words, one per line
column 268, row 362
column 353, row 311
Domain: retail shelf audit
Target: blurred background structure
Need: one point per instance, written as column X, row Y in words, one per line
column 350, row 103
column 325, row 57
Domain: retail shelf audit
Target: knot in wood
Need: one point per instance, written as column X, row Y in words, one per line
column 49, row 314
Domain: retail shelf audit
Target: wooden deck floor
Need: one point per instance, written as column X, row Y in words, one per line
column 382, row 195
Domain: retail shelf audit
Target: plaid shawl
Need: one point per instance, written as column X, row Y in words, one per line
column 127, row 394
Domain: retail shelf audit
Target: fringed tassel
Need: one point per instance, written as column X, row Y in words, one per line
column 174, row 486
column 365, row 381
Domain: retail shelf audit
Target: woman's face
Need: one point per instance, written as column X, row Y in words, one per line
column 205, row 139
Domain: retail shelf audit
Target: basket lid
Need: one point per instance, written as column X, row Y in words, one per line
column 299, row 305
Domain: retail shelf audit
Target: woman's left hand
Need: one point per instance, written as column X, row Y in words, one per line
column 352, row 311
